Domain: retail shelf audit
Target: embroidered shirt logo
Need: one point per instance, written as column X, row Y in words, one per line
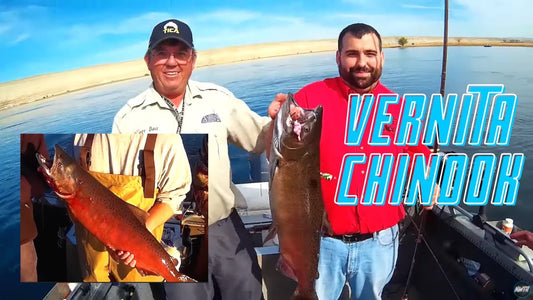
column 211, row 118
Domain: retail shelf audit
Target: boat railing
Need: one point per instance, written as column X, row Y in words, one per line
column 498, row 235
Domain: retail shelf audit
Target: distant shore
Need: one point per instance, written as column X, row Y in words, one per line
column 41, row 87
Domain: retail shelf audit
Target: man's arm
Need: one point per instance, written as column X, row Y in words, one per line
column 158, row 215
column 246, row 128
column 173, row 179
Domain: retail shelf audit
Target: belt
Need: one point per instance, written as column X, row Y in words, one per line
column 353, row 237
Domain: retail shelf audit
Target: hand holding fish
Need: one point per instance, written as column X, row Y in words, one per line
column 276, row 104
column 125, row 257
column 128, row 259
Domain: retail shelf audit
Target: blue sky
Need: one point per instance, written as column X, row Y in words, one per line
column 44, row 36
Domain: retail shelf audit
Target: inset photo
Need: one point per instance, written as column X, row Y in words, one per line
column 114, row 207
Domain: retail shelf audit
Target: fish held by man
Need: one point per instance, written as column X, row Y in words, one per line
column 116, row 223
column 295, row 194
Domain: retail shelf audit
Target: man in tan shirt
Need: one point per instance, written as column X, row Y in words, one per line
column 176, row 104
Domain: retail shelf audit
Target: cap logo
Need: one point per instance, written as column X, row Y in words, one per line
column 170, row 27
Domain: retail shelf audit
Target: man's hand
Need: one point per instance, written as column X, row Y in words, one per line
column 125, row 257
column 436, row 193
column 128, row 259
column 276, row 104
column 523, row 238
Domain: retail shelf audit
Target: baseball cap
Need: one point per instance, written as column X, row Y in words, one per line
column 171, row 29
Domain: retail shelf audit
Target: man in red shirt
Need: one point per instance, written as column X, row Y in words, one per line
column 361, row 246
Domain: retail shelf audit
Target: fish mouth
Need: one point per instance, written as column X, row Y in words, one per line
column 294, row 124
column 44, row 165
column 298, row 128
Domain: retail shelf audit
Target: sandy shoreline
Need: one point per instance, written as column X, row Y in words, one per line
column 40, row 87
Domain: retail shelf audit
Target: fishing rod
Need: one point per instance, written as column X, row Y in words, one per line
column 444, row 51
column 420, row 236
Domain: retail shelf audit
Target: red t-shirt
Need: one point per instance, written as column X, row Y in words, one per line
column 332, row 94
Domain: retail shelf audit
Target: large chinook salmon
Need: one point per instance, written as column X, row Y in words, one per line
column 116, row 223
column 296, row 196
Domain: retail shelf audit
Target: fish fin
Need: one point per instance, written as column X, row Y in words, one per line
column 140, row 214
column 271, row 234
column 284, row 267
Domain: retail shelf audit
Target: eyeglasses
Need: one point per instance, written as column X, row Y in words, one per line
column 182, row 57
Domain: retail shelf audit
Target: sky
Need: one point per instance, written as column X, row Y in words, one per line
column 45, row 36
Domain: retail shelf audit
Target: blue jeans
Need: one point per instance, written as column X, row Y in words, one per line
column 367, row 265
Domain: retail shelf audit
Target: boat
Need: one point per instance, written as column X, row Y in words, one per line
column 476, row 260
column 462, row 257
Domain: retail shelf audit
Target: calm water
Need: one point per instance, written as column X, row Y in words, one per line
column 412, row 70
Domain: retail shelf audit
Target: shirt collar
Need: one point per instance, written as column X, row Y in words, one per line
column 193, row 92
column 156, row 98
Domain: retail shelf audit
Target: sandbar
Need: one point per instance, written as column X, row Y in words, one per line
column 44, row 86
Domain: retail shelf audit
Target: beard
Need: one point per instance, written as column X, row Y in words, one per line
column 360, row 83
